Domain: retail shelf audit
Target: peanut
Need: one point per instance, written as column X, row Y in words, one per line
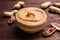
column 8, row 14
column 11, row 20
column 46, row 4
column 56, row 4
column 54, row 9
column 14, row 12
column 21, row 3
column 18, row 5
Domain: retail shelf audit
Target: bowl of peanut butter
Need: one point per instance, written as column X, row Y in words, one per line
column 31, row 19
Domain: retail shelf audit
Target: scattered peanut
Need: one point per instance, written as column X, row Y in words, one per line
column 54, row 9
column 18, row 5
column 21, row 3
column 8, row 14
column 11, row 20
column 56, row 4
column 14, row 12
column 46, row 4
column 56, row 25
column 49, row 31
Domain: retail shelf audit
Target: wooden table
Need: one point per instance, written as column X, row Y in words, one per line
column 12, row 32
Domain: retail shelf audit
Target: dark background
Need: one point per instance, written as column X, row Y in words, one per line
column 12, row 32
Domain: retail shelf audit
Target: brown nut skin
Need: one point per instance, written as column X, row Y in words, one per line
column 51, row 29
column 47, row 32
column 11, row 20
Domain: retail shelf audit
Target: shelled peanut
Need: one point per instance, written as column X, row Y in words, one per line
column 49, row 31
column 11, row 19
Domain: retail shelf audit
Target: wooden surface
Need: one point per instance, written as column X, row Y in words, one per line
column 12, row 32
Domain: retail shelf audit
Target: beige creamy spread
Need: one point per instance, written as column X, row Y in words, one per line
column 31, row 16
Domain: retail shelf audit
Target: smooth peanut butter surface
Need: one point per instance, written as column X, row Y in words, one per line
column 31, row 16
